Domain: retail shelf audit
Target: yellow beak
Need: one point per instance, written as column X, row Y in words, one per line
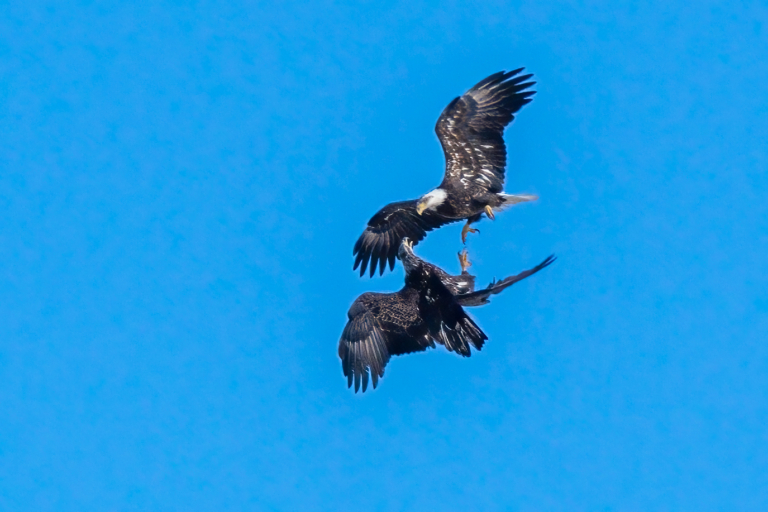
column 420, row 208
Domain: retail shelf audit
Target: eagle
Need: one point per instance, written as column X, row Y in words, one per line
column 428, row 309
column 471, row 131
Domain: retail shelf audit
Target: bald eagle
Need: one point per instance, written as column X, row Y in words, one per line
column 471, row 131
column 428, row 309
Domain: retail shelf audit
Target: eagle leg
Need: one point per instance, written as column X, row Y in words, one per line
column 464, row 260
column 466, row 229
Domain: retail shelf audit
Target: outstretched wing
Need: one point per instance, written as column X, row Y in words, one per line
column 480, row 297
column 381, row 325
column 471, row 130
column 381, row 238
column 363, row 348
column 446, row 320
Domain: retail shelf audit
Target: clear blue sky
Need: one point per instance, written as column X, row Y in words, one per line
column 181, row 185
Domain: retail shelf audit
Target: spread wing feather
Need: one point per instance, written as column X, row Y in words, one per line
column 381, row 239
column 363, row 351
column 381, row 325
column 471, row 131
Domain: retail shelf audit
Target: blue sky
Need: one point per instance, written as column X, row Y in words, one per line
column 181, row 185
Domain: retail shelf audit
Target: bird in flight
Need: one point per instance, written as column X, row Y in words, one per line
column 428, row 309
column 471, row 130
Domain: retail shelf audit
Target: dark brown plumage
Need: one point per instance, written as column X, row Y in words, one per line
column 471, row 131
column 427, row 310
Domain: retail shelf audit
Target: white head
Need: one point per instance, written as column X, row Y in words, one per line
column 431, row 200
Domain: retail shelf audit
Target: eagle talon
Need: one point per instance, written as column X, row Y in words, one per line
column 466, row 229
column 464, row 260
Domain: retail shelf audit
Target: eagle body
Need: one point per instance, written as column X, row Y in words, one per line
column 397, row 316
column 470, row 130
column 462, row 204
column 429, row 309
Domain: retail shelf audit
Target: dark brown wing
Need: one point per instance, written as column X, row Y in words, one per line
column 381, row 239
column 363, row 349
column 447, row 321
column 380, row 325
column 471, row 131
column 480, row 297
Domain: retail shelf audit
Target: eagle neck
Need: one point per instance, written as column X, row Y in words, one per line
column 434, row 198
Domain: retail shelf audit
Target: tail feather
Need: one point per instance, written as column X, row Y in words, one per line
column 508, row 200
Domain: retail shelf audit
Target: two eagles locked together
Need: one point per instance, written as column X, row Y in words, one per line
column 429, row 308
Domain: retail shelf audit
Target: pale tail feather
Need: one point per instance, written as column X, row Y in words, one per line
column 508, row 200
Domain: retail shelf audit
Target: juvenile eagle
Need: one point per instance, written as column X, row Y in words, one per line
column 426, row 310
column 471, row 131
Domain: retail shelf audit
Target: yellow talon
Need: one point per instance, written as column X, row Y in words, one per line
column 466, row 229
column 464, row 260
